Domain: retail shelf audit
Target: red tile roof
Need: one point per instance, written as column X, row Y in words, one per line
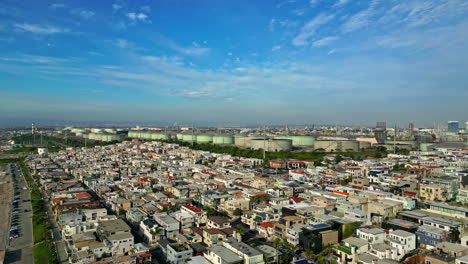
column 266, row 225
column 82, row 195
column 55, row 200
column 192, row 208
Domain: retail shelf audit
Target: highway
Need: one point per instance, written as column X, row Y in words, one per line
column 20, row 250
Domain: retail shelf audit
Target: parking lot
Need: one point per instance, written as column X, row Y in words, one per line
column 20, row 237
column 6, row 188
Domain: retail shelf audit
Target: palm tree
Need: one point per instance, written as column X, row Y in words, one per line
column 240, row 230
column 276, row 243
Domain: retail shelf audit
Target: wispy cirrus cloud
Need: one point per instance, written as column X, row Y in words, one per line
column 195, row 49
column 416, row 13
column 57, row 6
column 146, row 9
column 83, row 13
column 33, row 59
column 310, row 28
column 275, row 48
column 121, row 43
column 40, row 29
column 314, row 2
column 324, row 41
column 360, row 19
column 340, row 3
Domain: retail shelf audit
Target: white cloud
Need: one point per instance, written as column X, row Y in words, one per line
column 40, row 29
column 309, row 29
column 314, row 2
column 299, row 12
column 121, row 43
column 271, row 26
column 287, row 2
column 33, row 59
column 324, row 41
column 7, row 39
column 137, row 16
column 83, row 13
column 195, row 49
column 275, row 48
column 57, row 6
column 360, row 19
column 116, row 7
column 417, row 13
column 340, row 3
column 145, row 9
column 330, row 52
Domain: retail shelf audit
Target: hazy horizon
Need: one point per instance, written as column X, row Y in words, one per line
column 235, row 62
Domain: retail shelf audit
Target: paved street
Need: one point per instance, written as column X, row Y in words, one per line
column 20, row 250
column 59, row 244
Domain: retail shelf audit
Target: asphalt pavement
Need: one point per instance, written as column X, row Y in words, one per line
column 20, row 249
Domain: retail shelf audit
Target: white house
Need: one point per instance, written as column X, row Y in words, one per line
column 372, row 235
column 403, row 241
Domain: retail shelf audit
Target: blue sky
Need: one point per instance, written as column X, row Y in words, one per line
column 235, row 62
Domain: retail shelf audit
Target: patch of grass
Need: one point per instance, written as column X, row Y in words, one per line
column 39, row 232
column 44, row 253
column 55, row 149
column 23, row 149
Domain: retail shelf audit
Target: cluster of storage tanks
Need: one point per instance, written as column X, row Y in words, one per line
column 271, row 144
column 278, row 143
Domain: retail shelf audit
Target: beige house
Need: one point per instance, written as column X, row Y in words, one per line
column 231, row 205
column 433, row 192
column 381, row 209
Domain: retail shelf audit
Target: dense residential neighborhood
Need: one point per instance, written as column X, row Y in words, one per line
column 150, row 201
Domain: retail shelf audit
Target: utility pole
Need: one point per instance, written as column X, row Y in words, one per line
column 192, row 135
column 264, row 144
column 394, row 140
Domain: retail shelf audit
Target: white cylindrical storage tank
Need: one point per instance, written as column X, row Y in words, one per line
column 337, row 145
column 242, row 141
column 189, row 138
column 272, row 145
column 223, row 140
column 204, row 139
column 180, row 136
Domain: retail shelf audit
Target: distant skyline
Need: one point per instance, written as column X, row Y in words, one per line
column 235, row 62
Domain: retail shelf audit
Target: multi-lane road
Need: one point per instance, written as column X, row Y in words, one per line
column 20, row 245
